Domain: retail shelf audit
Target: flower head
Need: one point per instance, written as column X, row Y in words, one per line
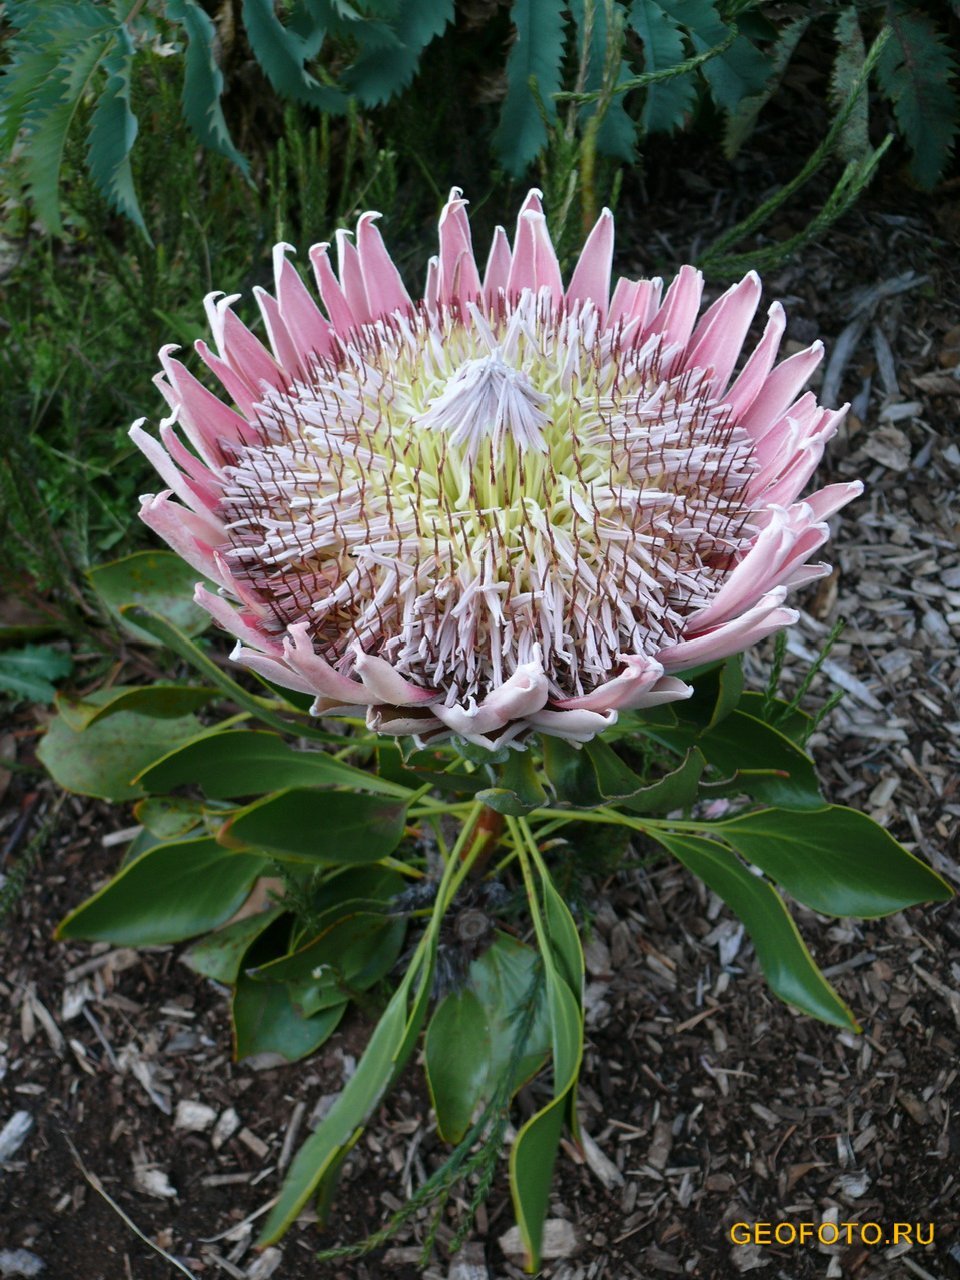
column 510, row 506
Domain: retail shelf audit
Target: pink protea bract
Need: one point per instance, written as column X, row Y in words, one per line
column 508, row 507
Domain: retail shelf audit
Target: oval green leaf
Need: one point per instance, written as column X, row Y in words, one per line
column 834, row 860
column 326, row 827
column 171, row 892
column 787, row 965
column 157, row 580
column 103, row 759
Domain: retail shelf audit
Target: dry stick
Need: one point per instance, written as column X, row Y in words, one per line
column 98, row 1187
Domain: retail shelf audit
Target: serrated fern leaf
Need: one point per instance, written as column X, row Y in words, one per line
column 666, row 104
column 113, row 131
column 914, row 72
column 616, row 135
column 48, row 117
column 380, row 72
column 854, row 141
column 203, row 82
column 741, row 120
column 537, row 54
column 740, row 71
column 283, row 54
column 46, row 36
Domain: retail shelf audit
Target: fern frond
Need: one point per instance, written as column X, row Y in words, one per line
column 283, row 53
column 203, row 82
column 48, row 116
column 113, row 131
column 915, row 74
column 380, row 73
column 741, row 120
column 537, row 55
column 737, row 73
column 854, row 140
column 666, row 104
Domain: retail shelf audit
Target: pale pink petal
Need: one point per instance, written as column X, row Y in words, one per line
column 303, row 318
column 669, row 689
column 236, row 387
column 399, row 723
column 281, row 342
column 497, row 271
column 248, row 357
column 459, row 277
column 747, row 386
column 524, row 692
column 640, row 673
column 718, row 339
column 381, row 279
column 385, row 684
column 535, row 264
column 205, row 418
column 351, row 278
column 332, row 296
column 825, row 502
column 431, row 288
column 271, row 669
column 575, row 726
column 733, row 636
column 320, row 677
column 781, row 387
column 677, row 315
column 238, row 622
column 190, row 534
column 192, row 494
column 590, row 281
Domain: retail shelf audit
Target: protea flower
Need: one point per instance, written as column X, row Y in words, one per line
column 512, row 506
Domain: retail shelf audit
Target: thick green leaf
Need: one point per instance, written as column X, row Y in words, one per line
column 564, row 936
column 471, row 1040
column 834, row 860
column 158, row 701
column 30, row 671
column 157, row 580
column 793, row 723
column 171, row 892
column 675, row 790
column 716, row 693
column 787, row 964
column 265, row 1019
column 220, row 955
column 323, row 827
column 537, row 54
column 457, row 1054
column 171, row 817
column 352, row 953
column 244, row 762
column 203, row 82
column 741, row 744
column 570, row 774
column 535, row 1148
column 104, row 759
column 518, row 788
column 666, row 104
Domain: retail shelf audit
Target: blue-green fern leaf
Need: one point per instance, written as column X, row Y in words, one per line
column 47, row 117
column 854, row 141
column 203, row 82
column 283, row 53
column 914, row 72
column 617, row 133
column 668, row 103
column 113, row 131
column 538, row 53
column 379, row 73
column 740, row 71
